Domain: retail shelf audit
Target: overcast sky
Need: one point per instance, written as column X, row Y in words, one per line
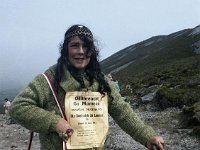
column 31, row 30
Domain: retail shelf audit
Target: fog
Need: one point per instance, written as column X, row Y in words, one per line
column 23, row 60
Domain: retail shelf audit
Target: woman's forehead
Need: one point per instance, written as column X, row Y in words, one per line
column 76, row 39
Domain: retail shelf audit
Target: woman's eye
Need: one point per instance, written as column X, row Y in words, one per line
column 74, row 45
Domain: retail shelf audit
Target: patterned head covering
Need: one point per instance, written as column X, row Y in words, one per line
column 77, row 30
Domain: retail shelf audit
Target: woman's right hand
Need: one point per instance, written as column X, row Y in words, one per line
column 64, row 129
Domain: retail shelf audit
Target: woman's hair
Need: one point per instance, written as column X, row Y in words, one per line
column 92, row 70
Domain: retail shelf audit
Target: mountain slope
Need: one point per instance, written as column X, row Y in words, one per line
column 171, row 60
column 154, row 51
column 165, row 69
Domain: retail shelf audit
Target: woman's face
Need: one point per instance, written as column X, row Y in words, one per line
column 77, row 54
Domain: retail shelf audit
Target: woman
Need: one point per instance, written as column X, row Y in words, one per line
column 77, row 69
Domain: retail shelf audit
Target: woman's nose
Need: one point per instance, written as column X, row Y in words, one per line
column 81, row 49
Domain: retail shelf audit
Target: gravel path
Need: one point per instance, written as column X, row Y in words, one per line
column 15, row 137
column 166, row 125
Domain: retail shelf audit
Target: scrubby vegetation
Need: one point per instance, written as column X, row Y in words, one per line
column 191, row 117
column 176, row 84
column 178, row 97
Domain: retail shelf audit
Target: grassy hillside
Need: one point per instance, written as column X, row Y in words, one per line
column 180, row 76
column 168, row 61
column 155, row 50
column 168, row 66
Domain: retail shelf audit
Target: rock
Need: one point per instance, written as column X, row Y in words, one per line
column 26, row 141
column 148, row 97
column 13, row 146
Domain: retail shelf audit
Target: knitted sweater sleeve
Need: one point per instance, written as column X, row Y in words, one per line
column 28, row 107
column 127, row 119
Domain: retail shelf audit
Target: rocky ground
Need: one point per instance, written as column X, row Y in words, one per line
column 15, row 137
column 164, row 122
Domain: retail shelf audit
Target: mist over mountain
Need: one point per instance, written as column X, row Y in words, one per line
column 10, row 86
column 165, row 66
column 153, row 52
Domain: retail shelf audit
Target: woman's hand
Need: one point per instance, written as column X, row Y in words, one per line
column 155, row 141
column 64, row 129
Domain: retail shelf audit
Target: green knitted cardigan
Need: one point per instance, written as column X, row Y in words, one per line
column 35, row 108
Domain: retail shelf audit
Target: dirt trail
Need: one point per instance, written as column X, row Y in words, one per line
column 15, row 137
